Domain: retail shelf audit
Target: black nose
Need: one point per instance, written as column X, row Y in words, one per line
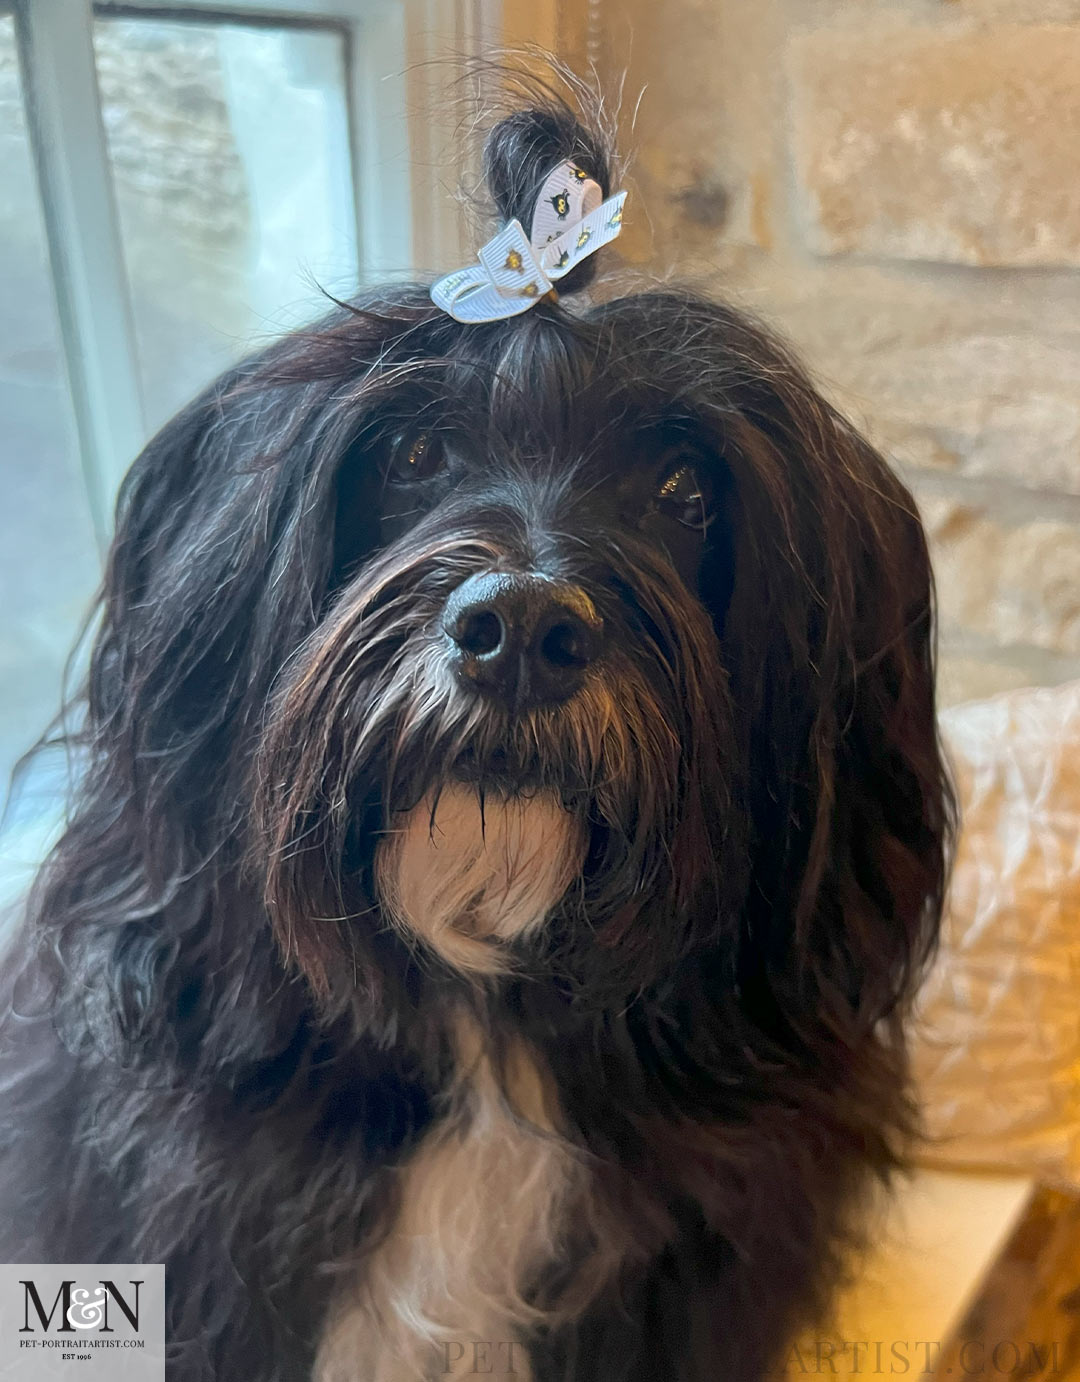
column 526, row 640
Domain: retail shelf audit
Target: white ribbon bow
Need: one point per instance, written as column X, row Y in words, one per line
column 570, row 222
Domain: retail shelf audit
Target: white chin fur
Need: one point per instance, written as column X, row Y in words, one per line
column 470, row 877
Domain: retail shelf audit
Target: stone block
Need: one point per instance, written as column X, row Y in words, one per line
column 983, row 405
column 923, row 143
column 1013, row 584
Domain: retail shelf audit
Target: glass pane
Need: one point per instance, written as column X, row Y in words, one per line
column 230, row 153
column 48, row 558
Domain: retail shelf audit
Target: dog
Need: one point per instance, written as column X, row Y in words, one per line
column 510, row 830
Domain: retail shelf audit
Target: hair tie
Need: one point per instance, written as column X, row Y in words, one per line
column 570, row 221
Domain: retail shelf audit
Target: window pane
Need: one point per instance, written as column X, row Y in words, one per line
column 48, row 557
column 230, row 152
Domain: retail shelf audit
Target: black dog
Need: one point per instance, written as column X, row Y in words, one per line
column 511, row 830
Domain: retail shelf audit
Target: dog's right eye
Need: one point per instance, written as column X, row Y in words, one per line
column 415, row 458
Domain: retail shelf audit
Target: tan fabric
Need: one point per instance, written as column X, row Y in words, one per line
column 997, row 1049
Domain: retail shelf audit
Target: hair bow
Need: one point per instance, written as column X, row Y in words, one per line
column 571, row 220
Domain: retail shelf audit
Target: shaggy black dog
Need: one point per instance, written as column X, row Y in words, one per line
column 511, row 831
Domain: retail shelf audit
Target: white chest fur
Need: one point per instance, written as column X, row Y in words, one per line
column 489, row 1195
column 485, row 1200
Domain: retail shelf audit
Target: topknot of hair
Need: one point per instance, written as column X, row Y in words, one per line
column 524, row 147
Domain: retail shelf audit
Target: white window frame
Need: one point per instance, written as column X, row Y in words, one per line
column 394, row 50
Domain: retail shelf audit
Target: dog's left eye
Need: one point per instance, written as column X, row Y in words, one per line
column 684, row 496
column 416, row 458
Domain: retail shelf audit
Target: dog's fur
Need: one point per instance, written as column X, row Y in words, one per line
column 399, row 1023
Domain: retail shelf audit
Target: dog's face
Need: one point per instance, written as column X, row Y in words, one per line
column 561, row 646
column 524, row 665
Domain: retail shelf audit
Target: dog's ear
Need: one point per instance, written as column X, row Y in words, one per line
column 219, row 557
column 830, row 636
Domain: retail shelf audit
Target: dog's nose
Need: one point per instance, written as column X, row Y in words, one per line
column 524, row 639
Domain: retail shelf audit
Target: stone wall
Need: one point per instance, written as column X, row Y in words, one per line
column 895, row 185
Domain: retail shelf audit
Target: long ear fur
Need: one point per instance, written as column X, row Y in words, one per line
column 826, row 618
column 850, row 801
column 220, row 565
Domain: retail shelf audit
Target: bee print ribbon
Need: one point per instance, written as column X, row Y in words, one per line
column 571, row 220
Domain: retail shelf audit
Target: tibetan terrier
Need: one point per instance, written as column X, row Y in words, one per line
column 509, row 831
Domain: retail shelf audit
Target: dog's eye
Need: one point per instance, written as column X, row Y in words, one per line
column 686, row 497
column 416, row 458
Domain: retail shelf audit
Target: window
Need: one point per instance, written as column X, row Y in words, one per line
column 48, row 550
column 229, row 154
column 179, row 182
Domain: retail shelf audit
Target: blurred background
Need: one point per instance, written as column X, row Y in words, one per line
column 892, row 183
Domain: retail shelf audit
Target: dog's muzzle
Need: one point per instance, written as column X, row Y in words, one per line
column 524, row 640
